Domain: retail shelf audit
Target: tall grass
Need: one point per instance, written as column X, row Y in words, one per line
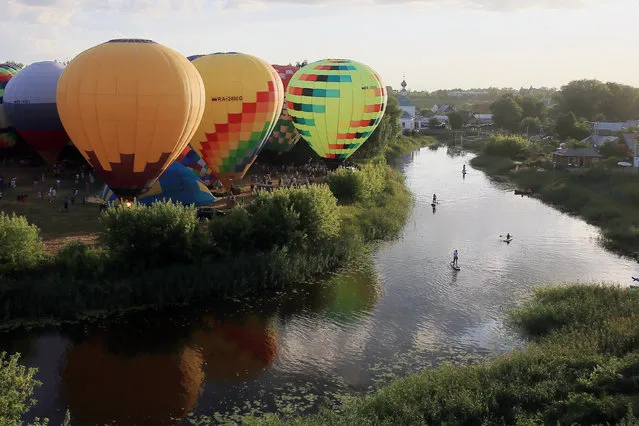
column 581, row 369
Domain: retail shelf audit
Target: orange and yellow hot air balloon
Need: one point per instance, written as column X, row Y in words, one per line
column 244, row 98
column 130, row 106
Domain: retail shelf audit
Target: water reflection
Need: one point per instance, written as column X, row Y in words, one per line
column 148, row 389
column 236, row 351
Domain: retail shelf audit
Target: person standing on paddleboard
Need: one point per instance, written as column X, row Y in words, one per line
column 434, row 199
column 455, row 258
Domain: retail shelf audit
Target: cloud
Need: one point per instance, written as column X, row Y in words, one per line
column 60, row 12
column 488, row 5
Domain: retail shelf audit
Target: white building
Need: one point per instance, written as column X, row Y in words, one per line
column 409, row 113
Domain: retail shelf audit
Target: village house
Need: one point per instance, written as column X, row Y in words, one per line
column 577, row 157
column 442, row 109
column 483, row 119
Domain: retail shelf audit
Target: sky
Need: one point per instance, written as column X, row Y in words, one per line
column 436, row 44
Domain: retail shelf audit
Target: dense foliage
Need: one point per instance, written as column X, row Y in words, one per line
column 351, row 185
column 513, row 147
column 20, row 243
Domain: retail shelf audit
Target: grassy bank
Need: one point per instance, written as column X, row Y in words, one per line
column 403, row 145
column 581, row 367
column 605, row 198
column 161, row 255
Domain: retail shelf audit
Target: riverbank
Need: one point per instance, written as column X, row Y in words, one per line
column 605, row 198
column 162, row 256
column 579, row 368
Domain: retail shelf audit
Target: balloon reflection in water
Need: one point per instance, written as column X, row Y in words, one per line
column 236, row 351
column 147, row 389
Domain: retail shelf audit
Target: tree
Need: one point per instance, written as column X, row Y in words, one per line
column 584, row 98
column 614, row 149
column 456, row 120
column 568, row 126
column 507, row 114
column 301, row 64
column 532, row 107
column 621, row 106
column 530, row 126
column 434, row 122
column 18, row 65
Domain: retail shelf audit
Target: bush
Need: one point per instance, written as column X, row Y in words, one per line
column 513, row 147
column 20, row 244
column 148, row 236
column 82, row 262
column 17, row 384
column 357, row 185
column 231, row 233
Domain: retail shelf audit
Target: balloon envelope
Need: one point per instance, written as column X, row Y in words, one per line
column 30, row 104
column 336, row 104
column 177, row 183
column 130, row 107
column 7, row 135
column 285, row 135
column 244, row 97
column 189, row 159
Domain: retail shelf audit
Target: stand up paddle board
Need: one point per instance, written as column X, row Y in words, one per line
column 457, row 268
column 507, row 240
column 433, row 204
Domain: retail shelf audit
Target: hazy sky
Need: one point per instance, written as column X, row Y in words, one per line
column 438, row 44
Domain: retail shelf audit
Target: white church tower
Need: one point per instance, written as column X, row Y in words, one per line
column 408, row 109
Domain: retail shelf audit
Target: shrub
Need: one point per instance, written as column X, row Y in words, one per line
column 153, row 235
column 274, row 220
column 79, row 261
column 513, row 147
column 357, row 185
column 318, row 212
column 17, row 384
column 20, row 243
column 232, row 233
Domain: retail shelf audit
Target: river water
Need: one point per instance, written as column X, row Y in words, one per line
column 406, row 311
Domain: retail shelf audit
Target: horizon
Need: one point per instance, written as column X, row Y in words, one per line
column 428, row 41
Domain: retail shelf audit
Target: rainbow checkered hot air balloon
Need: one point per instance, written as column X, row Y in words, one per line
column 189, row 159
column 336, row 104
column 285, row 135
column 8, row 137
column 244, row 97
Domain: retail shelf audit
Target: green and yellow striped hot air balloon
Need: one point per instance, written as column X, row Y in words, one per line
column 336, row 104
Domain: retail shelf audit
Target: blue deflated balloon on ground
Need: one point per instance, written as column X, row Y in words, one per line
column 177, row 183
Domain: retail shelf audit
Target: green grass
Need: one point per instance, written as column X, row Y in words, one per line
column 581, row 368
column 404, row 144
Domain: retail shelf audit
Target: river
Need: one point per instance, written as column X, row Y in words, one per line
column 406, row 311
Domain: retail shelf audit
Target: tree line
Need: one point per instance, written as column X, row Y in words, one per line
column 572, row 109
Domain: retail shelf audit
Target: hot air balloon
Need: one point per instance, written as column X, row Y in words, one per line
column 130, row 107
column 30, row 104
column 285, row 135
column 148, row 389
column 236, row 351
column 244, row 97
column 7, row 136
column 177, row 184
column 189, row 159
column 336, row 104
